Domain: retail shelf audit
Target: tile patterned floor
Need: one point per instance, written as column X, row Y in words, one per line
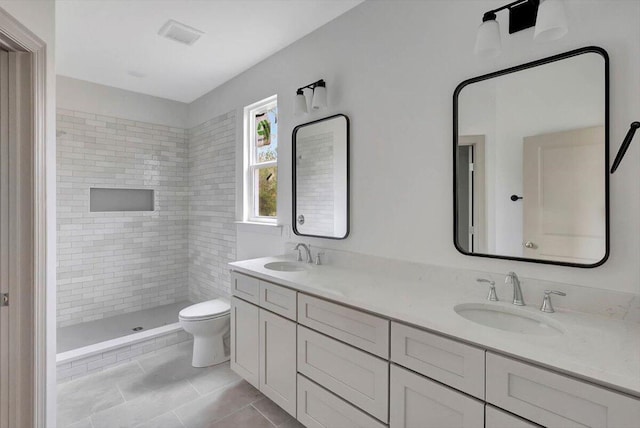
column 163, row 391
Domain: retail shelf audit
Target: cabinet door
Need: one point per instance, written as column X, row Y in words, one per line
column 245, row 356
column 278, row 360
column 417, row 402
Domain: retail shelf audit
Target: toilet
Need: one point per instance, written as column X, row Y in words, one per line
column 208, row 322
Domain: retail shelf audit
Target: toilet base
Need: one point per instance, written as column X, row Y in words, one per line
column 208, row 351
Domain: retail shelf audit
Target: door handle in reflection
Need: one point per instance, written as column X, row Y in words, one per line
column 530, row 245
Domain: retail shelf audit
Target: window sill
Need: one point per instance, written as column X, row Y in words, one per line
column 258, row 227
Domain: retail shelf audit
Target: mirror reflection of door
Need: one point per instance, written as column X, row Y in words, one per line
column 564, row 202
column 472, row 227
column 543, row 130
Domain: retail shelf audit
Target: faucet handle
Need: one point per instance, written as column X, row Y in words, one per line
column 299, row 254
column 318, row 260
column 493, row 297
column 546, row 301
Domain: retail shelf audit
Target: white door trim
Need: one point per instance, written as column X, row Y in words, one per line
column 479, row 190
column 15, row 37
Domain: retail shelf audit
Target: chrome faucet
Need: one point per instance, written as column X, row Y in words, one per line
column 517, row 291
column 308, row 251
column 546, row 301
column 493, row 297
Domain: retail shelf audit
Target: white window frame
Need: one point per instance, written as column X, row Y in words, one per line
column 250, row 195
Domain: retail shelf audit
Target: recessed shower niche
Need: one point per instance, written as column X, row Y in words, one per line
column 105, row 200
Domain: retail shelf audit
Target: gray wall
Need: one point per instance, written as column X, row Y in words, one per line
column 80, row 95
column 392, row 67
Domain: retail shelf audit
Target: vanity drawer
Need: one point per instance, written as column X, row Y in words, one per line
column 318, row 408
column 354, row 327
column 245, row 287
column 555, row 400
column 418, row 402
column 356, row 376
column 448, row 361
column 496, row 418
column 278, row 299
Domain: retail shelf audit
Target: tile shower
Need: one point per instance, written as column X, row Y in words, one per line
column 122, row 270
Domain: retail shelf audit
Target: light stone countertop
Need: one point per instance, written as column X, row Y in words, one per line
column 595, row 348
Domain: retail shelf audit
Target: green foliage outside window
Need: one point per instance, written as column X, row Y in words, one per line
column 268, row 185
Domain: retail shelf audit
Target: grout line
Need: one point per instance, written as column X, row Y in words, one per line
column 238, row 410
column 263, row 415
column 178, row 417
column 124, row 400
column 140, row 365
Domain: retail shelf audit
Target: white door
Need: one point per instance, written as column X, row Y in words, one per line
column 16, row 242
column 564, row 196
column 245, row 340
column 278, row 360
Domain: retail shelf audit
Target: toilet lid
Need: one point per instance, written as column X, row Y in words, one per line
column 204, row 310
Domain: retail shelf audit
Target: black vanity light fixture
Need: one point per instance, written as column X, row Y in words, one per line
column 548, row 17
column 318, row 101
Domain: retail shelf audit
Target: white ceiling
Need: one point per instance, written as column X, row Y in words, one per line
column 109, row 42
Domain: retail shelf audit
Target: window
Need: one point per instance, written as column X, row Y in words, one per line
column 261, row 161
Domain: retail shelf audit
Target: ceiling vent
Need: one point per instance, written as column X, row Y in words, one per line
column 180, row 33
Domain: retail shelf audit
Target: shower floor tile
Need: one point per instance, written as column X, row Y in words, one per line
column 89, row 333
column 162, row 390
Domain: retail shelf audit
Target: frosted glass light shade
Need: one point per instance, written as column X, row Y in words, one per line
column 488, row 42
column 300, row 104
column 551, row 23
column 319, row 100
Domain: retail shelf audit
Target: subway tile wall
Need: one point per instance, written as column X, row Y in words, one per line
column 212, row 231
column 116, row 262
column 314, row 184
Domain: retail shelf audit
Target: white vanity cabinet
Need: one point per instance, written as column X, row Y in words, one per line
column 278, row 360
column 418, row 402
column 245, row 340
column 453, row 363
column 496, row 418
column 335, row 366
column 360, row 378
column 555, row 400
column 263, row 344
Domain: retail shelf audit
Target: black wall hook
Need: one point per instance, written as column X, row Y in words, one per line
column 625, row 145
column 515, row 197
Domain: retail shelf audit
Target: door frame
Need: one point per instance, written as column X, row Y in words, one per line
column 479, row 207
column 16, row 37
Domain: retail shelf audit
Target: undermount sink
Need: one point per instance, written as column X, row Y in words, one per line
column 508, row 319
column 286, row 266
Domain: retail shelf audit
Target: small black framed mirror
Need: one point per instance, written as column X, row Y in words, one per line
column 320, row 167
column 530, row 161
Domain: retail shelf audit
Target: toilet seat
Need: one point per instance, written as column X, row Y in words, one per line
column 208, row 310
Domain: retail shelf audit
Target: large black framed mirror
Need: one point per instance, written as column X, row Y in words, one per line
column 530, row 159
column 321, row 178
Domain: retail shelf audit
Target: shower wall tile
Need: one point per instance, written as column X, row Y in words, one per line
column 116, row 262
column 212, row 231
column 67, row 371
